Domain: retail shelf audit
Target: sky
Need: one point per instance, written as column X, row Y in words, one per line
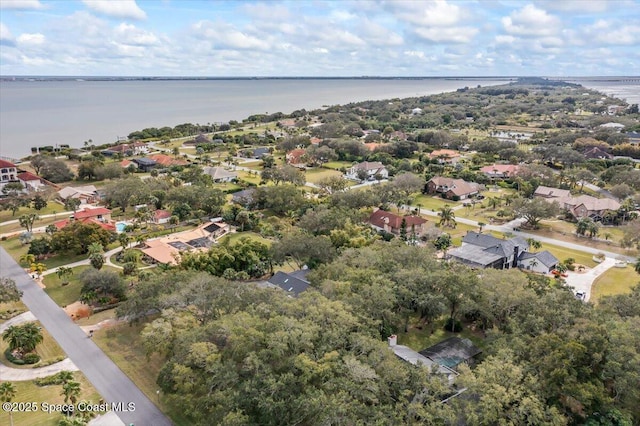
column 320, row 38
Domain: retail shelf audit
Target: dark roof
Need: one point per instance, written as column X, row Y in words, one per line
column 202, row 242
column 475, row 255
column 259, row 152
column 289, row 283
column 495, row 245
column 144, row 161
column 179, row 245
column 212, row 227
column 244, row 196
column 452, row 351
column 544, row 257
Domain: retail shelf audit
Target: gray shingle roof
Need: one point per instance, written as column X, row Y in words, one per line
column 475, row 255
column 289, row 283
column 544, row 257
column 495, row 245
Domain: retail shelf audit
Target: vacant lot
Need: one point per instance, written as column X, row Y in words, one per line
column 614, row 281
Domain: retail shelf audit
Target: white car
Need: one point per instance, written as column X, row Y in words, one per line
column 581, row 295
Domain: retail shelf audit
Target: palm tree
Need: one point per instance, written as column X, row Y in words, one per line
column 7, row 393
column 71, row 391
column 447, row 216
column 94, row 248
column 64, row 272
column 494, row 202
column 38, row 268
column 533, row 263
column 95, row 255
column 27, row 258
column 23, row 338
column 637, row 266
column 534, row 244
column 481, row 225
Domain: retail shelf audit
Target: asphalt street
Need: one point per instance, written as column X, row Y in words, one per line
column 104, row 374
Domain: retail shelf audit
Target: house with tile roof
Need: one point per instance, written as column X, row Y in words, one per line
column 500, row 171
column 452, row 189
column 382, row 220
column 445, row 156
column 8, row 173
column 371, row 168
column 581, row 206
column 32, row 182
column 99, row 216
column 87, row 194
column 295, row 157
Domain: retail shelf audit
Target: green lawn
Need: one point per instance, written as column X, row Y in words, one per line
column 250, row 178
column 337, row 164
column 48, row 350
column 614, row 281
column 563, row 253
column 9, row 310
column 66, row 295
column 15, row 227
column 430, row 202
column 315, row 175
column 122, row 344
column 30, row 392
column 52, row 208
column 236, row 236
column 16, row 250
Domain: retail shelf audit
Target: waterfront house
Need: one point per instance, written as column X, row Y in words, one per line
column 8, row 173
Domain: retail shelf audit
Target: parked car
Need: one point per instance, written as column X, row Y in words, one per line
column 581, row 295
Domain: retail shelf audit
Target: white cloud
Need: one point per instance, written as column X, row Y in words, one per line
column 127, row 9
column 275, row 12
column 505, row 39
column 447, row 35
column 21, row 4
column 414, row 54
column 531, row 22
column 378, row 35
column 31, row 39
column 609, row 33
column 225, row 36
column 437, row 13
column 5, row 35
column 579, row 6
column 129, row 34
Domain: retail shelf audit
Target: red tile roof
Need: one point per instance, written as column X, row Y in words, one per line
column 4, row 163
column 91, row 213
column 27, row 176
column 380, row 218
column 104, row 225
column 161, row 214
column 508, row 169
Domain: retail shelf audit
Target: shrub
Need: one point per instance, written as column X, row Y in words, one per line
column 450, row 324
column 13, row 359
column 31, row 358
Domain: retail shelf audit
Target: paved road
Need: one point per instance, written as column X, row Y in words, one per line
column 106, row 377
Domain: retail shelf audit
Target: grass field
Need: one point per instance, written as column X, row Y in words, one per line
column 316, row 175
column 430, row 202
column 237, row 236
column 16, row 249
column 250, row 178
column 52, row 208
column 614, row 281
column 563, row 253
column 30, row 392
column 66, row 295
column 337, row 164
column 9, row 310
column 48, row 351
column 15, row 227
column 122, row 344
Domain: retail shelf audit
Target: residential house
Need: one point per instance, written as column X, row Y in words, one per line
column 168, row 161
column 373, row 170
column 416, row 111
column 125, row 164
column 32, row 182
column 145, row 164
column 500, row 171
column 634, row 138
column 381, row 220
column 220, row 174
column 8, row 173
column 202, row 140
column 542, row 262
column 244, row 197
column 597, row 153
column 161, row 217
column 315, row 141
column 614, row 126
column 581, row 206
column 452, row 352
column 486, row 251
column 293, row 283
column 258, row 153
column 453, row 189
column 100, row 216
column 445, row 156
column 87, row 194
column 166, row 250
column 295, row 157
column 551, row 193
column 409, row 355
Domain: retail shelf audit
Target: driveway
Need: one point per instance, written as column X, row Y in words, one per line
column 583, row 282
column 104, row 375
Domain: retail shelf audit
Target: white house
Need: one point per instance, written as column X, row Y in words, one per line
column 542, row 262
column 372, row 169
column 8, row 173
column 219, row 174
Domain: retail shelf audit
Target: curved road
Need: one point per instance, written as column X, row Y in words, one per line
column 104, row 374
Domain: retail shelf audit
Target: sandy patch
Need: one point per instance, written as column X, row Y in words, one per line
column 78, row 310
